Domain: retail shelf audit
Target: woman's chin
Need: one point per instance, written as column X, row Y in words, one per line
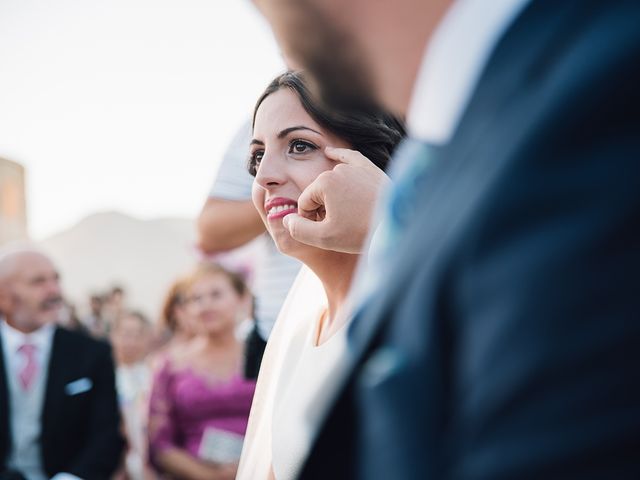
column 215, row 329
column 298, row 250
column 286, row 244
column 282, row 238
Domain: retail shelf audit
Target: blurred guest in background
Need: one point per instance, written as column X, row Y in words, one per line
column 229, row 220
column 68, row 318
column 200, row 401
column 113, row 306
column 58, row 408
column 176, row 327
column 94, row 319
column 131, row 338
column 254, row 345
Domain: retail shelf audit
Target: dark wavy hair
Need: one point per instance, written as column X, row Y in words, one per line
column 374, row 133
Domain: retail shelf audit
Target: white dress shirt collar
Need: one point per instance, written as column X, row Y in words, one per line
column 14, row 339
column 453, row 61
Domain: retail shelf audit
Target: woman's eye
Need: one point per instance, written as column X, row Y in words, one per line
column 300, row 146
column 254, row 161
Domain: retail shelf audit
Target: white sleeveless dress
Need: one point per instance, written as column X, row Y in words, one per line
column 296, row 385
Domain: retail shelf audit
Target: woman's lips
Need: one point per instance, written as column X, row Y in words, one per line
column 280, row 207
column 208, row 317
column 276, row 214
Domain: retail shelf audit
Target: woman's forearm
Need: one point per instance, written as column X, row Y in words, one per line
column 183, row 465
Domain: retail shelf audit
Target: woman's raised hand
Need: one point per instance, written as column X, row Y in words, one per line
column 335, row 210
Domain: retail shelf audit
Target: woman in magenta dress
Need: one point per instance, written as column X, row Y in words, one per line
column 200, row 402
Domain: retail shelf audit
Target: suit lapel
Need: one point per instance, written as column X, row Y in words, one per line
column 58, row 370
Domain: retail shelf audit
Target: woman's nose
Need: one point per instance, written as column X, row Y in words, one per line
column 270, row 172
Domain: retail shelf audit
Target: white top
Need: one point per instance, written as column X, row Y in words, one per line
column 303, row 394
column 275, row 272
column 296, row 385
column 133, row 384
column 233, row 181
column 453, row 62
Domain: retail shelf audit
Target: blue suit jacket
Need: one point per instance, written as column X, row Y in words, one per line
column 506, row 340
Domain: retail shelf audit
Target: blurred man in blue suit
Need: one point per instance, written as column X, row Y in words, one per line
column 497, row 330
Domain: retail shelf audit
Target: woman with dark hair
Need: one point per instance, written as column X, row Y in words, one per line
column 374, row 134
column 295, row 140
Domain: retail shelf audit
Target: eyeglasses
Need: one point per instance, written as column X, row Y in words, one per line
column 200, row 299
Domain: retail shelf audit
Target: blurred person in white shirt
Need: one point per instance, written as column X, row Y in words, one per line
column 131, row 337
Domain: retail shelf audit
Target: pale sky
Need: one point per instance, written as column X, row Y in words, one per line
column 125, row 104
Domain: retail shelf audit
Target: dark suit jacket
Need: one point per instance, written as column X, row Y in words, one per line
column 80, row 433
column 506, row 342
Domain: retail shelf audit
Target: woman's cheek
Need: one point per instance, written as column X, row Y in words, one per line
column 313, row 167
column 257, row 195
column 324, row 163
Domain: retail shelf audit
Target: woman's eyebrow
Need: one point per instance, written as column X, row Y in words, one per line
column 256, row 142
column 287, row 131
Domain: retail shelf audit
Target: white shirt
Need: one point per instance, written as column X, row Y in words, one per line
column 133, row 383
column 310, row 377
column 287, row 410
column 453, row 62
column 26, row 407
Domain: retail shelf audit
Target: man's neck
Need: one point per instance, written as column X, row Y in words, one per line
column 452, row 63
column 20, row 329
column 25, row 330
column 396, row 73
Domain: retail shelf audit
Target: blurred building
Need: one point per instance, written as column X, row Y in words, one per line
column 13, row 205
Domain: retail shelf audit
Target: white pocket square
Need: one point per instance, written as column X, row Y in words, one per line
column 382, row 365
column 76, row 387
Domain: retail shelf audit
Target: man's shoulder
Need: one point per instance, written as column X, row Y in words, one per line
column 81, row 342
column 602, row 37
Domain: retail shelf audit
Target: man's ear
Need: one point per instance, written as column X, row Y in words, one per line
column 5, row 301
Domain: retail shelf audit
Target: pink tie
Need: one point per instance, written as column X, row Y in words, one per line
column 28, row 373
